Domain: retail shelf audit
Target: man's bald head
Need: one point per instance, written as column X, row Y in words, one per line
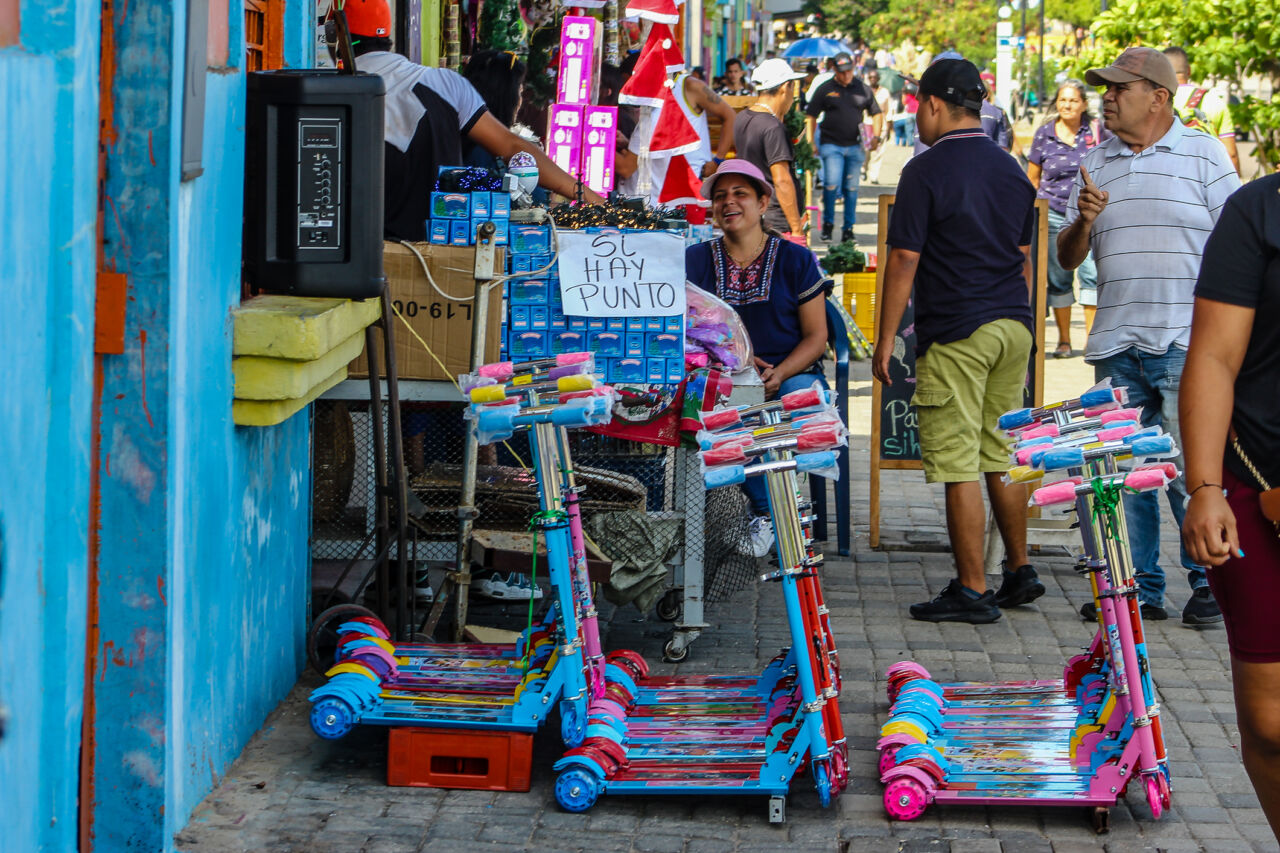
column 1181, row 65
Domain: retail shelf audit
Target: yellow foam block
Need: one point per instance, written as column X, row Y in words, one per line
column 261, row 378
column 301, row 328
column 272, row 412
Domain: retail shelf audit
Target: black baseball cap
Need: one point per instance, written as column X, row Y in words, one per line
column 955, row 81
column 843, row 61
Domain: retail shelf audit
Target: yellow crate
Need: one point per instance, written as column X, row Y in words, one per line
column 859, row 293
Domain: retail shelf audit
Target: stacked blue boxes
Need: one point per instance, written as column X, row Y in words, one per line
column 455, row 217
column 639, row 350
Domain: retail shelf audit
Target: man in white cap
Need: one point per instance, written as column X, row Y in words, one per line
column 1145, row 201
column 761, row 139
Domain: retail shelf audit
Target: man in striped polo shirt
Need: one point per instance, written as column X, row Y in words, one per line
column 1145, row 202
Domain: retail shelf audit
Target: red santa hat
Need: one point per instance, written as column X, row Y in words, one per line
column 661, row 40
column 681, row 185
column 672, row 134
column 648, row 85
column 658, row 11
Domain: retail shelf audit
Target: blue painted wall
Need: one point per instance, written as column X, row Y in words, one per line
column 48, row 120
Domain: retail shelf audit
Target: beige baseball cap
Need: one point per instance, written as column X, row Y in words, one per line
column 1136, row 63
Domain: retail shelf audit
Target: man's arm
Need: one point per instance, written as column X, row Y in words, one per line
column 785, row 187
column 899, row 275
column 494, row 137
column 1073, row 241
column 701, row 96
column 1229, row 143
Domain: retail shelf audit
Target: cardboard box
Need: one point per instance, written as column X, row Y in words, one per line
column 599, row 141
column 579, row 45
column 564, row 138
column 445, row 324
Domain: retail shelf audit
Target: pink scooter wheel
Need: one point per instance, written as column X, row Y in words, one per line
column 886, row 761
column 905, row 799
column 1154, row 798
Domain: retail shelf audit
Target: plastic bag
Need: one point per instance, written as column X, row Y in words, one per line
column 714, row 328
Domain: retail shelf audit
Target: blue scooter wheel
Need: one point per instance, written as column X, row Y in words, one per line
column 577, row 789
column 573, row 728
column 331, row 718
column 823, row 781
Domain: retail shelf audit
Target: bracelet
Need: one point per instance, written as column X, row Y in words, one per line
column 717, row 160
column 1201, row 486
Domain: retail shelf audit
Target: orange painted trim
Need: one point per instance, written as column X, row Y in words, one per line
column 109, row 312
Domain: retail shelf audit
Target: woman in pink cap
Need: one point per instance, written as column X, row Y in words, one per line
column 773, row 284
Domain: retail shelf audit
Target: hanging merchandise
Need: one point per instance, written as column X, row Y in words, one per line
column 648, row 83
column 661, row 40
column 673, row 134
column 658, row 11
column 681, row 185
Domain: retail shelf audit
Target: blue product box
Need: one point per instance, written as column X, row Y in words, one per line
column 663, row 345
column 627, row 370
column 535, row 239
column 605, row 344
column 635, row 324
column 675, row 325
column 519, row 318
column 438, row 231
column 540, row 259
column 635, row 345
column 657, row 370
column 501, row 233
column 539, row 318
column 520, row 263
column 459, row 232
column 480, row 205
column 528, row 291
column 450, row 206
column 596, row 324
column 655, row 324
column 675, row 370
column 528, row 345
column 616, row 324
column 568, row 342
column 558, row 323
column 500, row 205
column 576, row 324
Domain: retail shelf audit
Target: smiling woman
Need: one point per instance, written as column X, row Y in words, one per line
column 773, row 284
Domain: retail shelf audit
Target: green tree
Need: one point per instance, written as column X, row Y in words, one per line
column 1080, row 14
column 845, row 18
column 969, row 26
column 1232, row 40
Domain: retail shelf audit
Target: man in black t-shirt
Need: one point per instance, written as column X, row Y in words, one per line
column 961, row 231
column 761, row 139
column 842, row 101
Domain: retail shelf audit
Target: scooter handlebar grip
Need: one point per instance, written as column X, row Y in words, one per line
column 565, row 359
column 1151, row 445
column 721, row 419
column 576, row 382
column 1023, row 473
column 1098, row 397
column 815, row 461
column 1146, row 479
column 803, row 398
column 1117, row 431
column 499, row 370
column 1110, row 417
column 497, row 420
column 1170, row 470
column 1042, row 441
column 1061, row 457
column 1041, row 431
column 488, row 394
column 818, row 437
column 729, row 453
column 1016, row 418
column 730, row 475
column 1061, row 492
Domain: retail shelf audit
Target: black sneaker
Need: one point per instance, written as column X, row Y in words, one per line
column 826, row 232
column 1202, row 608
column 1150, row 612
column 846, row 234
column 1020, row 586
column 953, row 604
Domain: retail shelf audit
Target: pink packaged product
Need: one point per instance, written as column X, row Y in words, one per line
column 564, row 137
column 579, row 43
column 599, row 143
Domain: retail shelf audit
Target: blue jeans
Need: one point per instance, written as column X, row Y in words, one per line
column 1060, row 290
column 1153, row 382
column 757, row 494
column 841, row 172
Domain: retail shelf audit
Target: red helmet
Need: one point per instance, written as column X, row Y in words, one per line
column 369, row 18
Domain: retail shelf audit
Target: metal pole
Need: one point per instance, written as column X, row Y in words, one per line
column 406, row 586
column 470, row 447
column 1022, row 55
column 1043, row 94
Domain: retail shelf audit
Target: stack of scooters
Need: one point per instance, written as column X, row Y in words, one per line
column 1080, row 739
column 627, row 732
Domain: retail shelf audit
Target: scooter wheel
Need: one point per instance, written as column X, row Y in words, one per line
column 822, row 779
column 1164, row 789
column 905, row 799
column 1154, row 798
column 577, row 789
column 573, row 729
column 322, row 639
column 670, row 605
column 888, row 757
column 332, row 718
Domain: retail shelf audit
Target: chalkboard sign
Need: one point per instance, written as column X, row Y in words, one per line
column 895, row 436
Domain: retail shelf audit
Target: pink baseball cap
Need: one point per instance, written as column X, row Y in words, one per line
column 736, row 166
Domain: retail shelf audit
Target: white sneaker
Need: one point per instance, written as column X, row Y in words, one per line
column 761, row 531
column 514, row 587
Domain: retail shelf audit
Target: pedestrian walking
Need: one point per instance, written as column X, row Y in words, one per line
column 1144, row 202
column 1231, row 425
column 961, row 232
column 884, row 100
column 1201, row 107
column 762, row 140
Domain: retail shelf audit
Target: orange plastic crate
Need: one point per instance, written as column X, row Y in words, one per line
column 450, row 758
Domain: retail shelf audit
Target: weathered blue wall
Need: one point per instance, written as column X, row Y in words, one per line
column 48, row 122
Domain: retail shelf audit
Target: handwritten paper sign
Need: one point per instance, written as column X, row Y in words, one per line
column 621, row 274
